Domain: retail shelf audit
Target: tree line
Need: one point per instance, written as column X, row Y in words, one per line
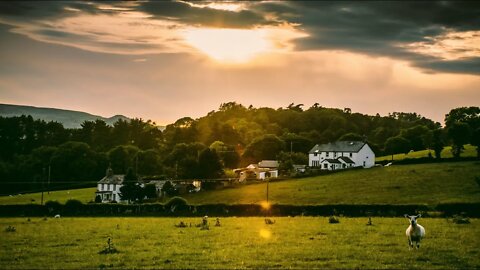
column 35, row 154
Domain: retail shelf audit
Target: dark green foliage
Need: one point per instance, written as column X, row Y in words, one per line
column 459, row 133
column 98, row 199
column 169, row 189
column 72, row 206
column 437, row 142
column 265, row 147
column 131, row 190
column 53, row 206
column 463, row 126
column 209, row 165
column 247, row 135
column 396, row 145
column 150, row 191
column 177, row 204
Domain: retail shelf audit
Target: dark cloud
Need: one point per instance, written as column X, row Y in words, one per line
column 377, row 28
column 185, row 13
column 381, row 28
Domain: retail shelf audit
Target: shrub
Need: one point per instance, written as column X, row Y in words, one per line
column 73, row 206
column 53, row 206
column 177, row 204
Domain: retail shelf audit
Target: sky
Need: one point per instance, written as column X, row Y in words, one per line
column 162, row 60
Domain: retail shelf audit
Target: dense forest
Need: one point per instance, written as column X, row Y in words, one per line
column 35, row 154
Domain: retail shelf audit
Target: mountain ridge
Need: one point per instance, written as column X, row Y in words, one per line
column 68, row 118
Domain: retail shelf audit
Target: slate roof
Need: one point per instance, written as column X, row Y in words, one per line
column 112, row 179
column 340, row 146
column 331, row 161
column 268, row 164
column 346, row 160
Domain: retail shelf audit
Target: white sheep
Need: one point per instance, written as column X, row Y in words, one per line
column 415, row 232
column 57, row 216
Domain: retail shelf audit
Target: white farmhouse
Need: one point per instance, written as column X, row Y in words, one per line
column 341, row 155
column 109, row 187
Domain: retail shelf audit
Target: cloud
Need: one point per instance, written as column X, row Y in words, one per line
column 385, row 28
column 434, row 36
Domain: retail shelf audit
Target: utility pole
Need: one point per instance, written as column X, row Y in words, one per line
column 267, row 189
column 43, row 185
column 48, row 183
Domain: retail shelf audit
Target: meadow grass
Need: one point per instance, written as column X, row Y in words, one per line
column 470, row 151
column 292, row 242
column 406, row 184
column 83, row 194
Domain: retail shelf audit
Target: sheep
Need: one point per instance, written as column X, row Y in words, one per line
column 57, row 216
column 415, row 232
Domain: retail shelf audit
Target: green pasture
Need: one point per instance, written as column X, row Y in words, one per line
column 83, row 194
column 406, row 184
column 470, row 151
column 299, row 242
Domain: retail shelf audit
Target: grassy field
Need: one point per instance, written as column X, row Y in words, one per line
column 300, row 242
column 470, row 151
column 83, row 194
column 406, row 184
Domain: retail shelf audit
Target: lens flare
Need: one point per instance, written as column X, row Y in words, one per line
column 265, row 233
column 265, row 205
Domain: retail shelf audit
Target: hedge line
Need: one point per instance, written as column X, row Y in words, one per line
column 76, row 208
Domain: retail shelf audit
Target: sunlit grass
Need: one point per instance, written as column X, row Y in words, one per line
column 298, row 242
column 83, row 194
column 470, row 151
column 406, row 184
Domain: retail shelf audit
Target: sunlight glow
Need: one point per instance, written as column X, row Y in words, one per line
column 265, row 205
column 265, row 233
column 229, row 45
column 228, row 6
column 450, row 46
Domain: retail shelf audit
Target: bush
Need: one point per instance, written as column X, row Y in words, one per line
column 53, row 206
column 72, row 206
column 177, row 204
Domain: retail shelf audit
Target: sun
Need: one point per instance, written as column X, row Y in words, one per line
column 229, row 45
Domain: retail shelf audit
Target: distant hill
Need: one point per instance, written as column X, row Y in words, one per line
column 69, row 119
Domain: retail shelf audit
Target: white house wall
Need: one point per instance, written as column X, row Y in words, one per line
column 365, row 155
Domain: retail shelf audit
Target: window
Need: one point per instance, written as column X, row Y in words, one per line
column 325, row 166
column 328, row 154
column 364, row 163
column 351, row 154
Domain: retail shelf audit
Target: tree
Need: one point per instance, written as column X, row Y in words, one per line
column 150, row 191
column 169, row 189
column 466, row 115
column 417, row 136
column 476, row 141
column 209, row 165
column 264, row 147
column 459, row 132
column 396, row 145
column 227, row 154
column 437, row 143
column 351, row 137
column 131, row 190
